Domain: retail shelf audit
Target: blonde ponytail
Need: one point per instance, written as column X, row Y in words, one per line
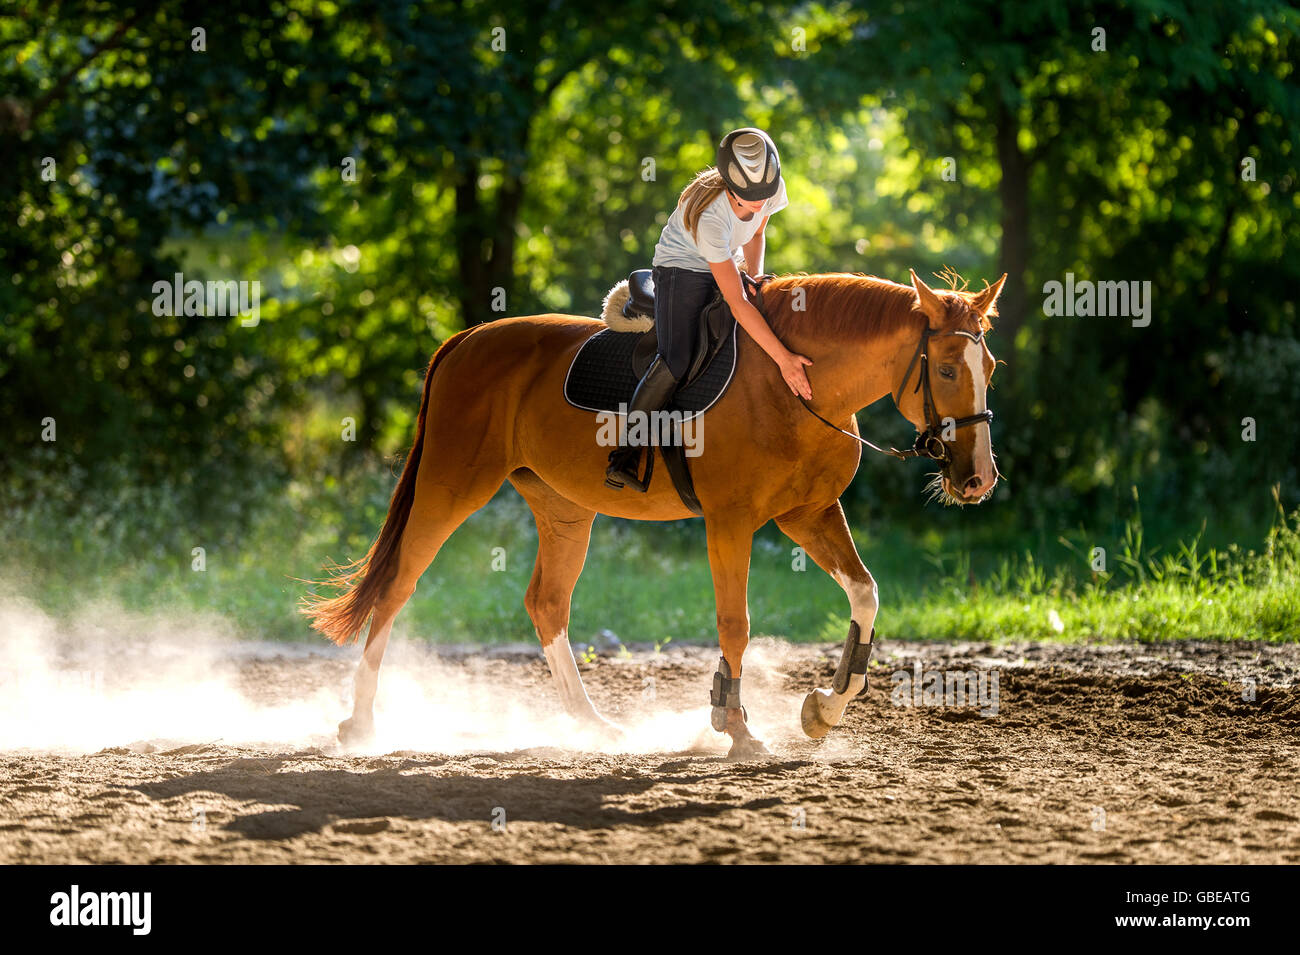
column 698, row 196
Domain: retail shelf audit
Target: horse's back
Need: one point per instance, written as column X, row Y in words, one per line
column 528, row 339
column 510, row 360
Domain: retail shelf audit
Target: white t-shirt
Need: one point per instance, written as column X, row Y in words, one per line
column 722, row 234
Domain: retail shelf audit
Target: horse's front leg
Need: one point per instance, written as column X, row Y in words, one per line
column 729, row 550
column 824, row 535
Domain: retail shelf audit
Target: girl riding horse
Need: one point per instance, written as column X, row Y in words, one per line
column 720, row 217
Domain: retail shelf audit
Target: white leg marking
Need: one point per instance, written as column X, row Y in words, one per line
column 862, row 605
column 366, row 682
column 564, row 670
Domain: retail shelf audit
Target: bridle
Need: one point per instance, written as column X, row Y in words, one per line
column 929, row 443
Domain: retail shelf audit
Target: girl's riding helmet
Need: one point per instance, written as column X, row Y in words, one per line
column 749, row 164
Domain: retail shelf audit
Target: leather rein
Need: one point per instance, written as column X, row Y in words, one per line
column 929, row 443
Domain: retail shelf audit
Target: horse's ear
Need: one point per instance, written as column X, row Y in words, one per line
column 985, row 299
column 930, row 303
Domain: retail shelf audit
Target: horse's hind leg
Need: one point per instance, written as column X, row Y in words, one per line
column 437, row 510
column 824, row 536
column 563, row 534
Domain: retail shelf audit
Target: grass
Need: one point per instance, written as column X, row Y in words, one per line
column 647, row 583
column 1140, row 593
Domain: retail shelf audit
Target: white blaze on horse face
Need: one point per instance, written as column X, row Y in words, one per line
column 983, row 456
column 564, row 670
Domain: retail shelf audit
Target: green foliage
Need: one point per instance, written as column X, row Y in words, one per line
column 1190, row 591
column 647, row 583
column 522, row 165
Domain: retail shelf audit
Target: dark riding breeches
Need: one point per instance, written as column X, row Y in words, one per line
column 680, row 296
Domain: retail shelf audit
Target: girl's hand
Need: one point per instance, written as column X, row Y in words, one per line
column 791, row 366
column 754, row 286
column 752, row 321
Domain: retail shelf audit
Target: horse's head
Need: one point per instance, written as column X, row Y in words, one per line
column 944, row 391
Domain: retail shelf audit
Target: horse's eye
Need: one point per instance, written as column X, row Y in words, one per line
column 947, row 372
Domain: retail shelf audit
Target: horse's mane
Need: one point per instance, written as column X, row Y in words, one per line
column 840, row 305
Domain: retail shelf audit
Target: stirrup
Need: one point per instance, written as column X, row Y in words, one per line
column 619, row 479
column 622, row 473
column 653, row 392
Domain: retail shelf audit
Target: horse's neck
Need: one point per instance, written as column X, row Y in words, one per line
column 848, row 373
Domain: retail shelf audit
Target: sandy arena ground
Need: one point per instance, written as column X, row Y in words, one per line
column 1116, row 754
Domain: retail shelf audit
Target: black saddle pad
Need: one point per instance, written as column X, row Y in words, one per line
column 601, row 376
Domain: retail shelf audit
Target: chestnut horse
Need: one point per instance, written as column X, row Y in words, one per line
column 493, row 411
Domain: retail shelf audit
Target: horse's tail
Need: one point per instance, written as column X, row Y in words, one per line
column 342, row 617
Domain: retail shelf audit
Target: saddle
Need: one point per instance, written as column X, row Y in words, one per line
column 716, row 323
column 609, row 365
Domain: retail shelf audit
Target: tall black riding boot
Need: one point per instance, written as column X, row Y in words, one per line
column 652, row 393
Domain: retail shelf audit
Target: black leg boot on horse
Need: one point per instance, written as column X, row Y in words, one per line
column 652, row 394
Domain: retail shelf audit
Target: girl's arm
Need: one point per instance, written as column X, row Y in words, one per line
column 751, row 320
column 755, row 249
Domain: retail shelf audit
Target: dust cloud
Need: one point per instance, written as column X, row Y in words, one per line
column 106, row 677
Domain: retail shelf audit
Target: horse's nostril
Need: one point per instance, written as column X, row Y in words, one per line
column 974, row 484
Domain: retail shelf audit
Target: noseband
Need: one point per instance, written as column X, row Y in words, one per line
column 929, row 443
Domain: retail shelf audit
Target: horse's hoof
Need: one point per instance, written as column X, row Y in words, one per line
column 353, row 733
column 607, row 730
column 810, row 717
column 748, row 747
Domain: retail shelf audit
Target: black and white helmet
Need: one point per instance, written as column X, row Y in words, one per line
column 749, row 164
